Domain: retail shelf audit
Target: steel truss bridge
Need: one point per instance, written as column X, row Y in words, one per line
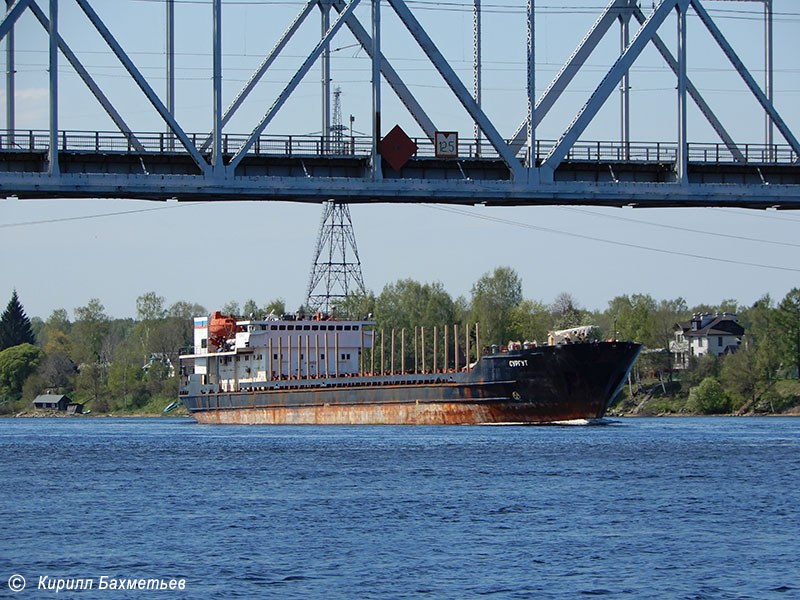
column 489, row 168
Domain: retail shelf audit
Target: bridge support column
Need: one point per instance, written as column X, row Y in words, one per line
column 53, row 65
column 216, row 160
column 530, row 159
column 682, row 158
column 170, row 43
column 625, row 87
column 376, row 89
column 325, row 23
column 10, row 109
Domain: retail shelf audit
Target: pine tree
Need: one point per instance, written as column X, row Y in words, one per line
column 15, row 326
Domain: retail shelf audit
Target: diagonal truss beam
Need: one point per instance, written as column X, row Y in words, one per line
column 745, row 74
column 693, row 92
column 11, row 16
column 264, row 66
column 290, row 87
column 391, row 76
column 608, row 84
column 87, row 79
column 458, row 88
column 570, row 69
column 143, row 85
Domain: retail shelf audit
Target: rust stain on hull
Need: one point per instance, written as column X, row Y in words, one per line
column 438, row 413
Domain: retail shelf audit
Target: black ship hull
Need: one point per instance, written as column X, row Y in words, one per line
column 536, row 385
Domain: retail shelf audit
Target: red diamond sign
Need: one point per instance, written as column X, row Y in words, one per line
column 396, row 147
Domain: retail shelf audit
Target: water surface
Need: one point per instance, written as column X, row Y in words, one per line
column 640, row 508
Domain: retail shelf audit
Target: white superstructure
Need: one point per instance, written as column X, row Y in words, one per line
column 233, row 355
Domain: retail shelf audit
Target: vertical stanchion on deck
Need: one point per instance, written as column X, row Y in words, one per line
column 52, row 168
column 403, row 350
column 455, row 347
column 435, row 335
column 327, row 355
column 466, row 346
column 308, row 357
column 478, row 349
column 361, row 354
column 383, row 366
column 316, row 352
column 336, row 352
column 280, row 357
column 269, row 360
column 446, row 327
column 391, row 362
column 422, row 345
column 416, row 356
column 372, row 352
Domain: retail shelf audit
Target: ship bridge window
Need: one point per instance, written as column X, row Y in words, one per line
column 347, row 327
column 338, row 328
column 290, row 327
column 345, row 356
column 273, row 327
column 306, row 327
column 355, row 327
column 282, row 327
column 314, row 327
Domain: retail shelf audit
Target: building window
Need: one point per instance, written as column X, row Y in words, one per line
column 204, row 343
column 719, row 341
column 345, row 356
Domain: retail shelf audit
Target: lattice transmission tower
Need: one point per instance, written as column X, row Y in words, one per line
column 336, row 271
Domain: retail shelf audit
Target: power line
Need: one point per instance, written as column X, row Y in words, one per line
column 605, row 241
column 85, row 217
column 678, row 228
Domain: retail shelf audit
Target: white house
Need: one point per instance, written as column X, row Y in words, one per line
column 706, row 333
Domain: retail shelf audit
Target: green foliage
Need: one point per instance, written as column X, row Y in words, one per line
column 566, row 312
column 16, row 364
column 529, row 320
column 788, row 318
column 494, row 295
column 15, row 326
column 709, row 398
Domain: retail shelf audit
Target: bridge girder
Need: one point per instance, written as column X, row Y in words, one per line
column 507, row 178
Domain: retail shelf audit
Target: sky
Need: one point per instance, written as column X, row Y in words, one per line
column 62, row 253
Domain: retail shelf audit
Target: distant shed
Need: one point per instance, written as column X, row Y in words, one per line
column 51, row 402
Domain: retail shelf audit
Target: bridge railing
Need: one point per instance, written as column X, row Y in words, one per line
column 361, row 146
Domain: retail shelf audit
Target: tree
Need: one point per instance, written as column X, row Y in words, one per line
column 493, row 297
column 566, row 312
column 709, row 397
column 529, row 320
column 788, row 319
column 15, row 326
column 16, row 364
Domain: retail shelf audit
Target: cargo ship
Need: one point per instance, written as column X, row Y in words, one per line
column 293, row 370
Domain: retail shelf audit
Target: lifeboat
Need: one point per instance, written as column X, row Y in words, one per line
column 220, row 328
